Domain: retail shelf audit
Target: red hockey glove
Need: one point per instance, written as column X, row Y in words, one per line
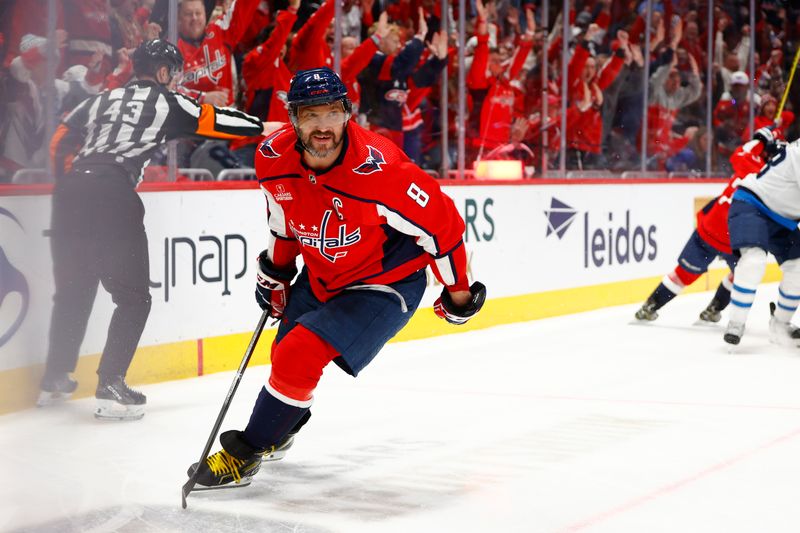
column 447, row 310
column 272, row 286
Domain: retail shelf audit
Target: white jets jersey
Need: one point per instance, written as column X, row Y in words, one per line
column 778, row 182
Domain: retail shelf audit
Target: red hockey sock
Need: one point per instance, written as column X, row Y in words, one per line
column 297, row 363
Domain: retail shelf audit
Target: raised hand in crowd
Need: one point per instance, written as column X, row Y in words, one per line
column 216, row 98
column 519, row 128
column 636, row 54
column 480, row 8
column 693, row 65
column 658, row 37
column 382, row 29
column 151, row 31
column 531, row 22
column 676, row 32
column 624, row 43
column 438, row 45
column 422, row 29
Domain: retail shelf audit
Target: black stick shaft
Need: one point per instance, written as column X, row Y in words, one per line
column 189, row 485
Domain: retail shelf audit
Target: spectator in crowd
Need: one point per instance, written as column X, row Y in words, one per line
column 130, row 25
column 208, row 72
column 732, row 113
column 389, row 70
column 310, row 48
column 587, row 84
column 767, row 117
column 22, row 126
column 420, row 86
column 88, row 27
column 667, row 97
column 493, row 83
column 692, row 158
column 267, row 78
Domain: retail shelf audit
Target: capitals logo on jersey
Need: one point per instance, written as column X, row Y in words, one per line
column 266, row 148
column 326, row 245
column 373, row 162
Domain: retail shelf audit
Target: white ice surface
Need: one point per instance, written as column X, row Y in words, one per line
column 578, row 423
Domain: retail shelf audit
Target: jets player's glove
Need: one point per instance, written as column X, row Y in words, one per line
column 272, row 286
column 447, row 310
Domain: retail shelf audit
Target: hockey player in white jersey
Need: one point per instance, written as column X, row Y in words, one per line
column 763, row 219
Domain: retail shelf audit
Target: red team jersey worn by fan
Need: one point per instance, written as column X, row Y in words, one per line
column 372, row 198
column 712, row 221
column 208, row 63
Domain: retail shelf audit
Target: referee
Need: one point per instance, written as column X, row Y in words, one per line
column 99, row 152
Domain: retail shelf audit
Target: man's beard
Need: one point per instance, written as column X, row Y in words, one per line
column 321, row 153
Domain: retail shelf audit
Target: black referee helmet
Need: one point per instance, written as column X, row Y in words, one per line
column 154, row 54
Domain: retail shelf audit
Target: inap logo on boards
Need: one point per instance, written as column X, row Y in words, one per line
column 12, row 281
column 609, row 238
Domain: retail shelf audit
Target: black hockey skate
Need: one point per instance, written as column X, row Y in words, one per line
column 117, row 401
column 237, row 462
column 647, row 311
column 712, row 313
column 733, row 333
column 55, row 389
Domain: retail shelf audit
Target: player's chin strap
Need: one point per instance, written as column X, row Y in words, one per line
column 381, row 288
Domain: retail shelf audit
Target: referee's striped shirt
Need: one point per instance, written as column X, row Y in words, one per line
column 123, row 127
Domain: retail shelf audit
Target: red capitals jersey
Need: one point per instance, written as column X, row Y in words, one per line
column 374, row 217
column 208, row 65
column 712, row 220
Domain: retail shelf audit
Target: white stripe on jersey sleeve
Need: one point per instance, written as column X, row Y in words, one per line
column 188, row 105
column 275, row 215
column 445, row 267
column 424, row 240
column 162, row 111
column 230, row 120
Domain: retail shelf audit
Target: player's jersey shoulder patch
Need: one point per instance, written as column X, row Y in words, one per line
column 373, row 162
column 266, row 149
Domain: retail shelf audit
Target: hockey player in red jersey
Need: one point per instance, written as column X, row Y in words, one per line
column 711, row 237
column 366, row 222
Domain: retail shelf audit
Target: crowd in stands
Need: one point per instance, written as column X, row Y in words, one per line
column 243, row 53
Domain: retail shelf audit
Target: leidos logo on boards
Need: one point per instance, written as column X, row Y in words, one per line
column 606, row 240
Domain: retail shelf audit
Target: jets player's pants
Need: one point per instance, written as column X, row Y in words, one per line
column 97, row 236
column 754, row 233
column 349, row 329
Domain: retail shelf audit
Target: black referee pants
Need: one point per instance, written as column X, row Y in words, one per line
column 97, row 236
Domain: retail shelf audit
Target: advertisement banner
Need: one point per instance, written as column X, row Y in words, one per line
column 203, row 245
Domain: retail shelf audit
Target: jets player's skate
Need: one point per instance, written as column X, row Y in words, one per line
column 733, row 333
column 117, row 401
column 55, row 389
column 782, row 333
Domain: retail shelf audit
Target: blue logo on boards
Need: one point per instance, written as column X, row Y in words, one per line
column 607, row 241
column 560, row 217
column 12, row 281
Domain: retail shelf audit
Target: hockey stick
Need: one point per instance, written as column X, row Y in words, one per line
column 788, row 85
column 189, row 485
